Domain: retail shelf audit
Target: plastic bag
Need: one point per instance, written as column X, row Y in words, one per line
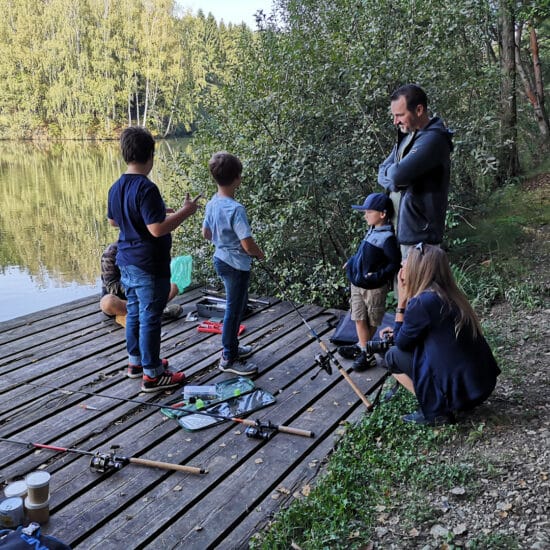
column 25, row 538
column 180, row 271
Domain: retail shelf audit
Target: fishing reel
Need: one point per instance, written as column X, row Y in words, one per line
column 107, row 462
column 323, row 362
column 261, row 431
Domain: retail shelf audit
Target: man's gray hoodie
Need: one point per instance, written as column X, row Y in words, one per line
column 422, row 176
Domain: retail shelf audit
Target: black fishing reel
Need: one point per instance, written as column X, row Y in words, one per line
column 323, row 362
column 107, row 462
column 261, row 431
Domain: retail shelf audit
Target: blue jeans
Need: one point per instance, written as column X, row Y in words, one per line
column 235, row 282
column 147, row 295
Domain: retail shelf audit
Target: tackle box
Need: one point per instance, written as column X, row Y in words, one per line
column 211, row 308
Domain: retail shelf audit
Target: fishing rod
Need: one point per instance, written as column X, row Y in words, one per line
column 322, row 361
column 105, row 462
column 250, row 423
column 255, row 428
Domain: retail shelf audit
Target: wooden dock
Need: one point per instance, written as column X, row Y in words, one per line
column 76, row 347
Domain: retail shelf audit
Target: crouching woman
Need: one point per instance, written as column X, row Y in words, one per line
column 440, row 353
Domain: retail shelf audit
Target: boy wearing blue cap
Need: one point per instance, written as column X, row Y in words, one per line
column 370, row 271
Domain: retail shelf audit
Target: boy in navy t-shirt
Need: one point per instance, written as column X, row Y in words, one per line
column 136, row 207
column 226, row 225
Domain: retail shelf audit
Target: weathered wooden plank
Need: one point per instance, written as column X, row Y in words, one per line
column 26, row 322
column 88, row 318
column 303, row 476
column 295, row 400
column 218, row 512
column 32, row 419
column 161, row 508
column 59, row 372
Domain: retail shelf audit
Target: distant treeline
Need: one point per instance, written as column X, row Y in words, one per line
column 86, row 68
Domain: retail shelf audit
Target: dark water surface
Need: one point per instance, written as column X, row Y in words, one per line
column 53, row 227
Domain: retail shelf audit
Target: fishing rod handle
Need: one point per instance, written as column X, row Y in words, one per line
column 295, row 431
column 344, row 373
column 324, row 347
column 354, row 387
column 168, row 466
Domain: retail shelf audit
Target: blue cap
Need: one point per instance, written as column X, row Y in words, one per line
column 376, row 201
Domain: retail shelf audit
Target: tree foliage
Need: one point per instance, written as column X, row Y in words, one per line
column 86, row 68
column 308, row 112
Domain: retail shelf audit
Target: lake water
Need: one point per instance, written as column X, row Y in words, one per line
column 53, row 227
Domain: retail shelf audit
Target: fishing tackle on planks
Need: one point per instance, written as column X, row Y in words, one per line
column 322, row 361
column 279, row 428
column 106, row 462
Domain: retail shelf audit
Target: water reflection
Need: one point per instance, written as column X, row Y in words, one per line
column 53, row 224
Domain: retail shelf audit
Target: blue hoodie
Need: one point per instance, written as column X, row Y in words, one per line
column 422, row 176
column 377, row 259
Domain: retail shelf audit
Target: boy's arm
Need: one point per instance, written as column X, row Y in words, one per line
column 207, row 233
column 172, row 221
column 385, row 274
column 252, row 249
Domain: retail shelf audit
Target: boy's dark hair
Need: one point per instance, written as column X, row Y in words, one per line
column 137, row 145
column 225, row 168
column 413, row 94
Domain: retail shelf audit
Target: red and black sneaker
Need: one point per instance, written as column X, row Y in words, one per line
column 136, row 371
column 166, row 381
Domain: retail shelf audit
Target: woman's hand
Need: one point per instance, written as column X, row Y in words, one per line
column 402, row 287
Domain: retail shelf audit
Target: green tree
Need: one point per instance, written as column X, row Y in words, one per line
column 80, row 68
column 509, row 159
column 531, row 17
column 308, row 111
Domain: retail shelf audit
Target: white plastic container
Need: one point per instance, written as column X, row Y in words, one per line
column 39, row 513
column 38, row 487
column 16, row 489
column 11, row 512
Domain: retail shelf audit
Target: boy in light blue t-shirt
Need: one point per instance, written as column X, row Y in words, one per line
column 226, row 225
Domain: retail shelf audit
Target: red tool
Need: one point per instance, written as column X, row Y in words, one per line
column 216, row 327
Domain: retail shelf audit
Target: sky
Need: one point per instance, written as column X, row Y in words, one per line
column 235, row 11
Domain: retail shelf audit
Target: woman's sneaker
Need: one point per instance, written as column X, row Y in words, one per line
column 136, row 371
column 166, row 381
column 237, row 366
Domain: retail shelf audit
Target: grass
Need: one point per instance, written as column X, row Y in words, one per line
column 383, row 469
column 378, row 458
column 486, row 262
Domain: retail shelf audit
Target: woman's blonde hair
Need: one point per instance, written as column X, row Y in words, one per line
column 428, row 269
